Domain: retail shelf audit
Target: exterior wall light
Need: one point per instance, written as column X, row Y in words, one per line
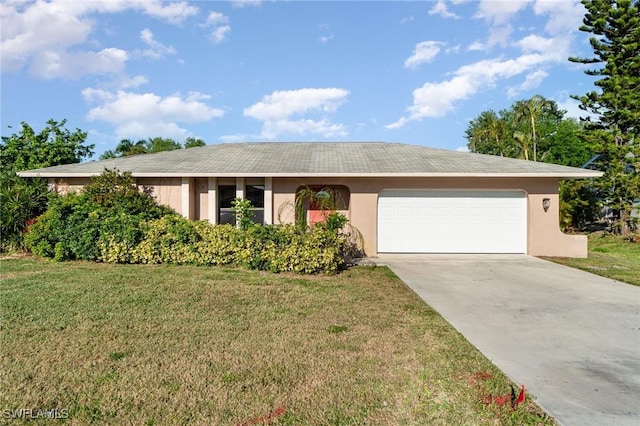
column 546, row 202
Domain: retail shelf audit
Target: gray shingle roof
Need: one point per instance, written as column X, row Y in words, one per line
column 314, row 159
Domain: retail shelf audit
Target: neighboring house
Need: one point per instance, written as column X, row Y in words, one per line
column 402, row 198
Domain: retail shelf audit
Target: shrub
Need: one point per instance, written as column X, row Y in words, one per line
column 578, row 205
column 217, row 244
column 20, row 201
column 275, row 248
column 307, row 252
column 242, row 210
column 112, row 221
column 170, row 239
column 117, row 190
column 49, row 235
column 108, row 213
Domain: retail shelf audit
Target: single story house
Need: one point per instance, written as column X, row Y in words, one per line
column 402, row 198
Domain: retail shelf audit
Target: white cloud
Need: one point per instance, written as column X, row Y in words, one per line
column 500, row 11
column 499, row 35
column 141, row 115
column 219, row 34
column 463, row 149
column 325, row 39
column 221, row 28
column 563, row 15
column 557, row 47
column 156, row 49
column 274, row 129
column 437, row 99
column 216, row 18
column 278, row 112
column 36, row 31
column 532, row 81
column 174, row 12
column 245, row 3
column 407, row 19
column 63, row 64
column 43, row 35
column 440, row 8
column 130, row 82
column 453, row 49
column 328, row 34
column 424, row 52
column 535, row 43
column 477, row 45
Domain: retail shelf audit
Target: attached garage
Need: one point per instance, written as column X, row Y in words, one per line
column 452, row 221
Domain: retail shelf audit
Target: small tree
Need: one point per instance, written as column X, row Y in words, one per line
column 52, row 146
column 244, row 213
column 20, row 201
column 24, row 199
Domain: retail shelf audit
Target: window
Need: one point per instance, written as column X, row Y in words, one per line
column 226, row 194
column 255, row 194
column 315, row 202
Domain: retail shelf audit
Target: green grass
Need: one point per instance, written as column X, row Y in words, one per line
column 610, row 256
column 142, row 344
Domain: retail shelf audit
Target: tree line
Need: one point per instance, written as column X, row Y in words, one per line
column 127, row 147
column 531, row 129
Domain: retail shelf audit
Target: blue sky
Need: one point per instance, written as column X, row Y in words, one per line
column 412, row 72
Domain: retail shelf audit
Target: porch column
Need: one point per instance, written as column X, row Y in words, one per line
column 240, row 187
column 268, row 201
column 212, row 204
column 186, row 197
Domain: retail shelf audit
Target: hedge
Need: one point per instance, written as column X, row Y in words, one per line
column 276, row 248
column 111, row 220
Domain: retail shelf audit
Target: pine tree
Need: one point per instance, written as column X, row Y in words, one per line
column 615, row 133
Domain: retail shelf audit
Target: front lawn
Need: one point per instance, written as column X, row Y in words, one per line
column 144, row 344
column 610, row 256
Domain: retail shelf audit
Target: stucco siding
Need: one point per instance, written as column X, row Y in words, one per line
column 167, row 191
column 66, row 185
column 544, row 237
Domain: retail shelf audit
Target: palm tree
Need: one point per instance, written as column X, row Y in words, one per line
column 531, row 111
column 487, row 134
column 127, row 147
column 523, row 141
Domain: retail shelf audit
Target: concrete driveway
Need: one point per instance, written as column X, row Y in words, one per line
column 571, row 337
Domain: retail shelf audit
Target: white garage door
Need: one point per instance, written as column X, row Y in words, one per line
column 452, row 221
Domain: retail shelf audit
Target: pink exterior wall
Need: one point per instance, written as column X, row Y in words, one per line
column 63, row 186
column 167, row 191
column 544, row 235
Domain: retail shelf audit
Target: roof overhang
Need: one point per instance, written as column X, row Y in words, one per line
column 578, row 175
